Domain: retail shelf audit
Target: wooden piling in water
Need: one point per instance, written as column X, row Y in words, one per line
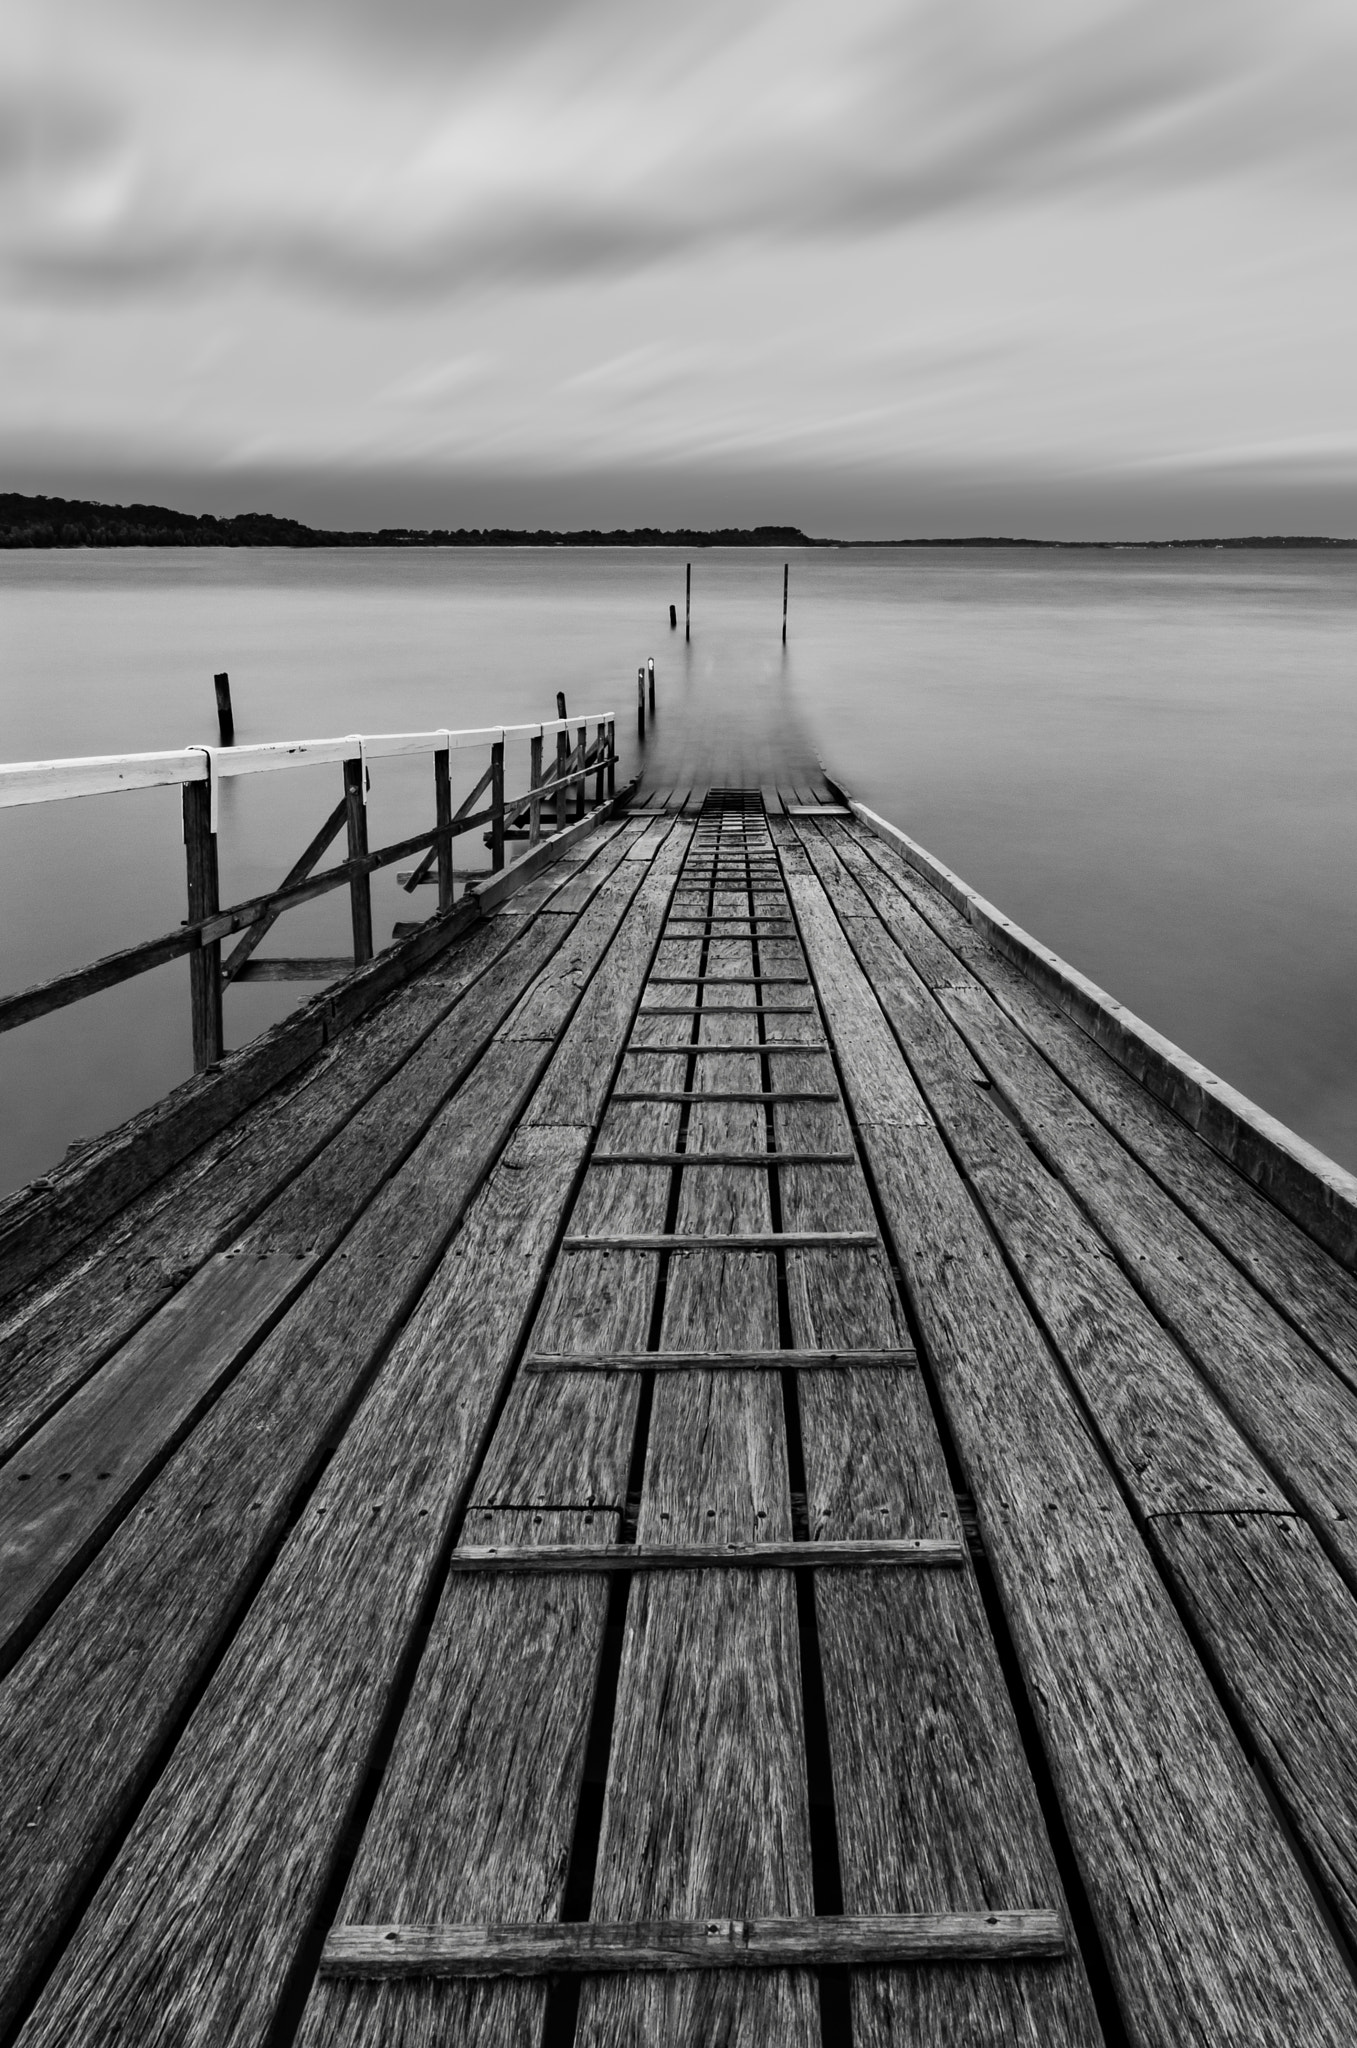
column 786, row 572
column 226, row 724
column 360, row 883
column 641, row 702
column 650, row 681
column 204, row 963
column 688, row 602
column 442, row 789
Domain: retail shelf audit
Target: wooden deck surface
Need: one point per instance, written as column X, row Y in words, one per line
column 732, row 1087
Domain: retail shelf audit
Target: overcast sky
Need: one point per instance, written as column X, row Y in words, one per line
column 918, row 267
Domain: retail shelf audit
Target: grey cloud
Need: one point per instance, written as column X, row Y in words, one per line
column 1150, row 93
column 48, row 132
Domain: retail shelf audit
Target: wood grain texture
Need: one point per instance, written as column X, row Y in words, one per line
column 1299, row 1276
column 1164, row 1430
column 1287, row 1401
column 587, row 1947
column 1281, row 1629
column 859, row 1553
column 241, row 1826
column 934, row 1804
column 74, row 1478
column 54, row 1338
column 705, row 1810
column 1208, row 1926
column 895, row 1359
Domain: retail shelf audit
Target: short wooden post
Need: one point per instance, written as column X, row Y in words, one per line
column 786, row 571
column 687, row 601
column 204, row 963
column 673, row 617
column 612, row 757
column 360, row 882
column 641, row 702
column 497, row 805
column 534, row 777
column 582, row 786
column 226, row 724
column 650, row 681
column 603, row 750
column 442, row 787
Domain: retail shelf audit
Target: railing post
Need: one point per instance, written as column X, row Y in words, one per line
column 602, row 755
column 360, row 883
column 641, row 703
column 497, row 805
column 442, row 789
column 582, row 786
column 204, row 963
column 534, row 778
column 612, row 757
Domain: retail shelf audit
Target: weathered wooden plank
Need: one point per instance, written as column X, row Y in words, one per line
column 894, row 1358
column 1286, row 1400
column 240, row 1829
column 934, row 1803
column 54, row 1338
column 75, row 1477
column 705, row 1809
column 737, row 1241
column 1281, row 1629
column 43, row 1222
column 754, row 1159
column 1309, row 1187
column 590, row 1947
column 1206, row 1921
column 1303, row 1280
column 478, row 1808
column 726, row 1095
column 859, row 1553
column 1166, row 1433
column 188, row 1557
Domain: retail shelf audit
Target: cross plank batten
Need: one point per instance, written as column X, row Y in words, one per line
column 919, row 1552
column 732, row 1241
column 900, row 1358
column 725, row 1094
column 724, row 1159
column 712, row 1052
column 589, row 1947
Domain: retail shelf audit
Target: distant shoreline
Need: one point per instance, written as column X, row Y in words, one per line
column 42, row 523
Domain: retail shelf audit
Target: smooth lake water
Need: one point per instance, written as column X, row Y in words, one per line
column 1149, row 761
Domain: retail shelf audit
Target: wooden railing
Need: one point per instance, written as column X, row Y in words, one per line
column 201, row 770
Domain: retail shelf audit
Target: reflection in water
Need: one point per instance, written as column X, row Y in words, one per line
column 1148, row 760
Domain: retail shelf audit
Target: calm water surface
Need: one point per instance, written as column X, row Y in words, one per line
column 1149, row 762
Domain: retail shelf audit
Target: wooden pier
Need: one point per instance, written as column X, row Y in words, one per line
column 732, row 1454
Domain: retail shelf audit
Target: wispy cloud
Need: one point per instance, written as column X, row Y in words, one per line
column 595, row 232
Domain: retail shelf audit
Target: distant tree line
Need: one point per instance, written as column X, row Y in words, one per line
column 78, row 523
column 40, row 522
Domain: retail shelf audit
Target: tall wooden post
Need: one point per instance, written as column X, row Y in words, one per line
column 612, row 757
column 602, row 752
column 497, row 805
column 650, row 681
column 442, row 789
column 360, row 882
column 226, row 724
column 687, row 601
column 641, row 703
column 204, row 963
column 534, row 777
column 786, row 572
column 562, row 762
column 582, row 786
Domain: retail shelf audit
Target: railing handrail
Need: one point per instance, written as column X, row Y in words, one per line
column 41, row 782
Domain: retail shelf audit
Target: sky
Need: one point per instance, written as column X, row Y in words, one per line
column 1075, row 270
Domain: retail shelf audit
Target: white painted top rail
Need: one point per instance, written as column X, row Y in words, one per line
column 45, row 782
